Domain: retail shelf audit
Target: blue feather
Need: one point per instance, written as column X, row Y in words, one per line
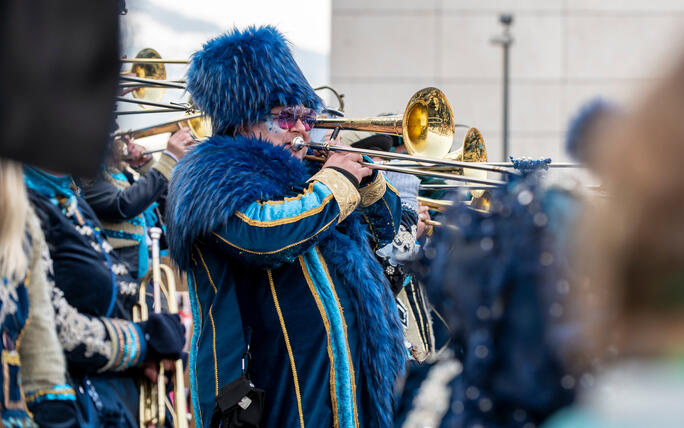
column 527, row 165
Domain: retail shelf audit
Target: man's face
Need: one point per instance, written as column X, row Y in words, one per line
column 275, row 129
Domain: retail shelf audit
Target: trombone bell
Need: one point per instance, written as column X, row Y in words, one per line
column 427, row 125
column 155, row 71
column 472, row 150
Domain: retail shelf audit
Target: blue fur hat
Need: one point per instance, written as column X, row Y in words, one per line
column 238, row 77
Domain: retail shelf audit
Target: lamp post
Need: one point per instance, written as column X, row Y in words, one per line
column 505, row 40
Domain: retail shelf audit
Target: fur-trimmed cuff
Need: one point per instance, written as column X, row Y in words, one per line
column 343, row 190
column 371, row 193
column 165, row 165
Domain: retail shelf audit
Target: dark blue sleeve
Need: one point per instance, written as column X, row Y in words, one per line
column 271, row 233
column 113, row 204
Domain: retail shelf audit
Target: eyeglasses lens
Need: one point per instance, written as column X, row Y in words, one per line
column 287, row 118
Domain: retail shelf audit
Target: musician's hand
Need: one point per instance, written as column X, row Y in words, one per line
column 180, row 142
column 164, row 335
column 136, row 153
column 350, row 162
column 326, row 139
column 151, row 369
column 423, row 217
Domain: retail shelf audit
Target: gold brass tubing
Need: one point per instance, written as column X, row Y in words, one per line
column 155, row 61
column 455, row 186
column 340, row 97
column 152, row 110
column 180, row 406
column 180, row 409
column 427, row 125
column 152, row 103
column 402, row 170
column 170, row 126
column 403, row 156
column 434, row 203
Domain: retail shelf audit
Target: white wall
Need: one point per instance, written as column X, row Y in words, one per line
column 565, row 52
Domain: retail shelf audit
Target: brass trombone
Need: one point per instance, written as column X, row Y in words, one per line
column 427, row 124
column 340, row 97
column 143, row 69
column 427, row 127
column 153, row 401
column 199, row 126
column 435, row 204
column 153, row 60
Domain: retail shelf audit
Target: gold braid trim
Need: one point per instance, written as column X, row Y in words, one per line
column 293, row 366
column 125, row 227
column 113, row 336
column 343, row 190
column 371, row 193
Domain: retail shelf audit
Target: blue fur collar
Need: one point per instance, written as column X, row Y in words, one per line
column 225, row 174
column 219, row 177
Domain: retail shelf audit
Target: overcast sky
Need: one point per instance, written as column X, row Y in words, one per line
column 176, row 29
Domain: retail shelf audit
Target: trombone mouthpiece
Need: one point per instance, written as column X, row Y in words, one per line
column 297, row 143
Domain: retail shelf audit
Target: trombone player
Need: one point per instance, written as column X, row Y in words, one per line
column 285, row 290
column 128, row 195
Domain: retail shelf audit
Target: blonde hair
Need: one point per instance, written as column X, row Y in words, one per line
column 14, row 210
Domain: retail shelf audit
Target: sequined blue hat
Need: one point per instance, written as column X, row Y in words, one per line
column 238, row 77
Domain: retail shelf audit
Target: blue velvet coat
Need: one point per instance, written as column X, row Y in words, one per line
column 270, row 264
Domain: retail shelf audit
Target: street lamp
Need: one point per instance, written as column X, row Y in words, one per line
column 505, row 40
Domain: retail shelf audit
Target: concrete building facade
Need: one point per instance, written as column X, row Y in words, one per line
column 564, row 53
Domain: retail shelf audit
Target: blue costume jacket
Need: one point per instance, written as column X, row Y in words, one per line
column 279, row 259
column 92, row 295
column 128, row 204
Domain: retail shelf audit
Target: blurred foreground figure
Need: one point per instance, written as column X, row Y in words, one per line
column 34, row 371
column 58, row 79
column 499, row 278
column 633, row 308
